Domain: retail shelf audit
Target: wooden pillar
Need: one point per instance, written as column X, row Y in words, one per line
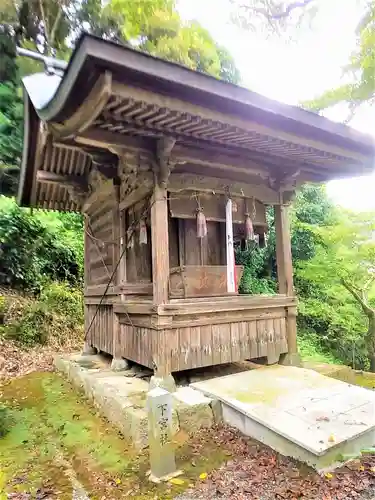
column 160, row 248
column 285, row 280
column 116, row 249
column 86, row 250
column 283, row 250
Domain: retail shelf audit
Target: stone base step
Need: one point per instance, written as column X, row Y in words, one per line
column 121, row 397
column 297, row 412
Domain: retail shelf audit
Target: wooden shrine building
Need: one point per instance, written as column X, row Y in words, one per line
column 170, row 167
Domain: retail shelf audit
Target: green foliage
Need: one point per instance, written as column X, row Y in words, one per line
column 63, row 299
column 11, row 122
column 255, row 279
column 360, row 72
column 154, row 26
column 344, row 252
column 4, row 420
column 311, row 348
column 32, row 252
column 328, row 245
column 8, row 67
column 56, row 316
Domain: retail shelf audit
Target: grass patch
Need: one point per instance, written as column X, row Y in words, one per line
column 51, row 427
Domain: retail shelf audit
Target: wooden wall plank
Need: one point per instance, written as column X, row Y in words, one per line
column 262, row 342
column 195, row 346
column 216, row 344
column 244, row 340
column 272, row 354
column 235, row 342
column 254, row 341
column 225, row 342
column 284, row 340
column 206, row 345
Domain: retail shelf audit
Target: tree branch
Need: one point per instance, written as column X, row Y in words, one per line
column 369, row 282
column 55, row 26
column 358, row 297
column 45, row 21
column 277, row 16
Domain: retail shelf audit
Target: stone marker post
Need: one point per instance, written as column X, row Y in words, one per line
column 162, row 455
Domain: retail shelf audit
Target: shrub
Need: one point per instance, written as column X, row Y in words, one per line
column 55, row 317
column 35, row 248
column 4, row 420
column 336, row 325
column 257, row 276
column 63, row 299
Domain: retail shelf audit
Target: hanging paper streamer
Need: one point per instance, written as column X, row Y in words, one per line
column 201, row 221
column 231, row 286
column 249, row 227
column 201, row 224
column 130, row 237
column 142, row 232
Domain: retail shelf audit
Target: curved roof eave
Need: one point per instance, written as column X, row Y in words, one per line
column 148, row 70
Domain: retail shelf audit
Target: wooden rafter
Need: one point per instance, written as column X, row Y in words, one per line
column 227, row 123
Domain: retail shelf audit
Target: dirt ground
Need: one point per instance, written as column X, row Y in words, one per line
column 258, row 473
column 55, row 435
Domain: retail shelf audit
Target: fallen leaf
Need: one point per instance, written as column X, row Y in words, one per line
column 361, row 468
column 177, row 481
column 331, row 439
column 118, row 481
column 203, row 475
column 328, row 475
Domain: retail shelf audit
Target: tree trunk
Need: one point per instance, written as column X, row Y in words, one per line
column 370, row 341
column 361, row 298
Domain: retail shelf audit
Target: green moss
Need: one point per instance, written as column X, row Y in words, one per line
column 52, row 427
column 267, row 395
column 356, row 378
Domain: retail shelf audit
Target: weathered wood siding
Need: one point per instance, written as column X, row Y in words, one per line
column 100, row 245
column 138, row 256
column 100, row 334
column 206, row 344
column 209, row 345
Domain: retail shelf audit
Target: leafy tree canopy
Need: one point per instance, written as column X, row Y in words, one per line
column 359, row 86
column 52, row 26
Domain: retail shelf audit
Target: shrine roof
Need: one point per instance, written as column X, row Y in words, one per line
column 111, row 95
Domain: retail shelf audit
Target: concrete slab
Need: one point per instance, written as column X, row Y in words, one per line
column 327, row 369
column 297, row 411
column 121, row 397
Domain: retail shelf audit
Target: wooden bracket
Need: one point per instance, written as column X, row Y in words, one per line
column 134, row 171
column 164, row 164
column 78, row 194
column 284, row 180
